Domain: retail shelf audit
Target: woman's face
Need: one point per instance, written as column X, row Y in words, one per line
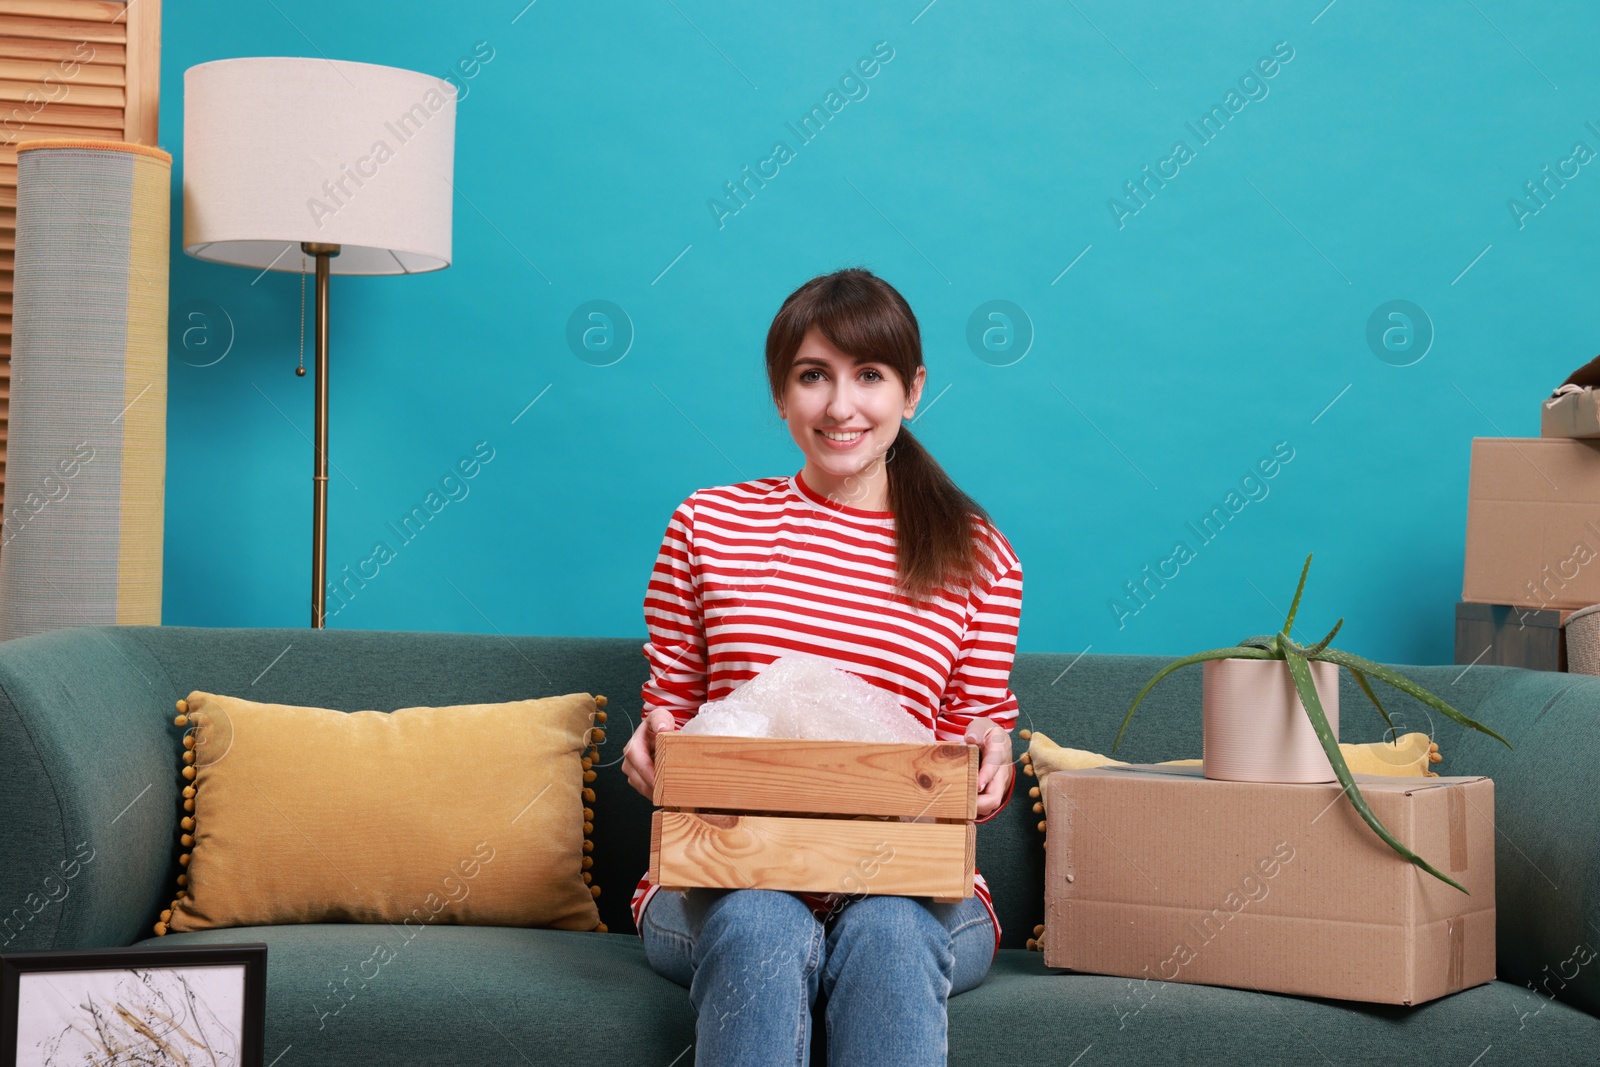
column 829, row 393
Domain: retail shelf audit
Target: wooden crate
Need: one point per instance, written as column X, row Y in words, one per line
column 814, row 816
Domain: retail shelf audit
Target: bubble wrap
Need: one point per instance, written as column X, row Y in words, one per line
column 801, row 695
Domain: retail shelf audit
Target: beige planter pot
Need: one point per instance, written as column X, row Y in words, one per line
column 1255, row 728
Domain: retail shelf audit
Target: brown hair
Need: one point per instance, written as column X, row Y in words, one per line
column 864, row 316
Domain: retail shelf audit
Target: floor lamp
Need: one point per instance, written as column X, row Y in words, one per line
column 347, row 163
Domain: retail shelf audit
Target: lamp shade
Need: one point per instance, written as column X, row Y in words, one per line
column 280, row 150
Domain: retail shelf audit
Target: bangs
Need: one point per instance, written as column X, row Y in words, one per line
column 858, row 314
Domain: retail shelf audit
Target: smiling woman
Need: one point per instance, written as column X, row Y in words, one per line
column 844, row 357
column 871, row 557
column 838, row 405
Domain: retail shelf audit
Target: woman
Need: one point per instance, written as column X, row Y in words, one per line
column 871, row 557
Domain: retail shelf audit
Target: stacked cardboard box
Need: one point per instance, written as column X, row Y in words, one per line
column 1511, row 636
column 1533, row 546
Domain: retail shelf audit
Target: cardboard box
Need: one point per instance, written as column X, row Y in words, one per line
column 814, row 816
column 1157, row 873
column 1509, row 636
column 1533, row 523
column 1571, row 415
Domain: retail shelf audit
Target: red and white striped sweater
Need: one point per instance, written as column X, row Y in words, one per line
column 759, row 569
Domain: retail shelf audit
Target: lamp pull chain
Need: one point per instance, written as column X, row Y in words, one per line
column 301, row 370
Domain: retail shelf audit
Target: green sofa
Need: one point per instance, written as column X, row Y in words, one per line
column 89, row 754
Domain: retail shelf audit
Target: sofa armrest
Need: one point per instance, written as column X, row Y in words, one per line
column 89, row 786
column 1547, row 820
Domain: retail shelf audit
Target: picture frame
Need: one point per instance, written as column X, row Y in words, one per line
column 153, row 1005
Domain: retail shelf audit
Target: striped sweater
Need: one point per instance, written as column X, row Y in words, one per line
column 759, row 569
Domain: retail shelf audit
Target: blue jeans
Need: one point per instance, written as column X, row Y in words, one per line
column 753, row 960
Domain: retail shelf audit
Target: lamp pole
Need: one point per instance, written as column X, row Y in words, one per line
column 319, row 480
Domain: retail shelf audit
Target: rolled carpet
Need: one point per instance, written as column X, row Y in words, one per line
column 85, row 476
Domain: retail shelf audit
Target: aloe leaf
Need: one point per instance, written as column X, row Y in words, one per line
column 1366, row 687
column 1198, row 657
column 1288, row 626
column 1259, row 641
column 1320, row 645
column 1407, row 686
column 1300, row 668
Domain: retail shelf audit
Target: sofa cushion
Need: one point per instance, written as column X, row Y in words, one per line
column 1026, row 1013
column 487, row 995
column 353, row 995
column 469, row 814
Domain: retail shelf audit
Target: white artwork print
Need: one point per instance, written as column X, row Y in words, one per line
column 177, row 1016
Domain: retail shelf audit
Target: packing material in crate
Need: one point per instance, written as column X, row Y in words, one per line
column 814, row 816
column 1533, row 523
column 1157, row 873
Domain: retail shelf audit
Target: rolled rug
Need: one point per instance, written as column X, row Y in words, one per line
column 85, row 471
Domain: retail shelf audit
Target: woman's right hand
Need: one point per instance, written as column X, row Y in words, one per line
column 638, row 756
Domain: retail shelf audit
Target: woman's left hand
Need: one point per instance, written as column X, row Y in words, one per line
column 994, row 763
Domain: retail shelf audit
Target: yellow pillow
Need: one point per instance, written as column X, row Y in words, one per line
column 1407, row 756
column 472, row 814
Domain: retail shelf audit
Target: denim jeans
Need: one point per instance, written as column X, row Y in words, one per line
column 754, row 959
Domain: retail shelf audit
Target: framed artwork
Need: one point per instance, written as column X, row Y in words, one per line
column 186, row 1005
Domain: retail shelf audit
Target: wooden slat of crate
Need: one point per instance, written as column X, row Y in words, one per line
column 689, row 849
column 825, row 777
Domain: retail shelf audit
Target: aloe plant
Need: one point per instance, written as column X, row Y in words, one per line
column 1279, row 646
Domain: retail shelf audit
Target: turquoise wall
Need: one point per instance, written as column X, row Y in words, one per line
column 1160, row 346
